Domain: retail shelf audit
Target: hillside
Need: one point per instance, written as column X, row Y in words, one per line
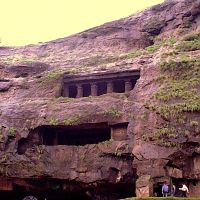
column 108, row 113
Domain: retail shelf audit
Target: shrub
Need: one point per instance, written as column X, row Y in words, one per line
column 189, row 45
column 133, row 54
column 53, row 121
column 190, row 42
column 12, row 131
column 72, row 120
column 52, row 76
column 153, row 48
column 112, row 112
column 191, row 37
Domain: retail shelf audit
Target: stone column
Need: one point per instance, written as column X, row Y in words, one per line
column 128, row 86
column 109, row 87
column 79, row 91
column 66, row 91
column 144, row 186
column 94, row 89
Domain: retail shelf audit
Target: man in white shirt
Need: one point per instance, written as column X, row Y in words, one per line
column 184, row 190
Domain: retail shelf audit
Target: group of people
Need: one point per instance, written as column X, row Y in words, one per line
column 166, row 190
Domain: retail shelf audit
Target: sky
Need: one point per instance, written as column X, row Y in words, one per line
column 31, row 21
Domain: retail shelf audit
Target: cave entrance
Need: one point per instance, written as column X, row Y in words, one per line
column 178, row 183
column 119, row 86
column 157, row 189
column 86, row 90
column 72, row 91
column 56, row 189
column 79, row 135
column 102, row 88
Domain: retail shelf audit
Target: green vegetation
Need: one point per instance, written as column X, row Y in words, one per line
column 72, row 120
column 17, row 59
column 52, row 76
column 53, row 122
column 113, row 112
column 153, row 48
column 73, row 71
column 171, row 54
column 190, row 42
column 171, row 41
column 191, row 37
column 163, row 198
column 99, row 59
column 185, row 69
column 12, row 131
column 189, row 45
column 132, row 54
column 176, row 98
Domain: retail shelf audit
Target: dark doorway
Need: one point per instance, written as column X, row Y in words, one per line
column 68, row 190
column 119, row 86
column 65, row 135
column 157, row 189
column 86, row 90
column 134, row 81
column 22, row 146
column 102, row 88
column 72, row 91
column 62, row 135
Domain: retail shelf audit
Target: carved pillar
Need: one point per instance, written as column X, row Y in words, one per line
column 66, row 91
column 94, row 89
column 128, row 86
column 109, row 87
column 79, row 91
column 144, row 186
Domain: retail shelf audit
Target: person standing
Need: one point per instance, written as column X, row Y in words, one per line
column 184, row 190
column 165, row 189
column 173, row 190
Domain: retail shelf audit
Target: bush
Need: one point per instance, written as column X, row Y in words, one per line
column 190, row 42
column 12, row 131
column 189, row 45
column 191, row 37
column 153, row 48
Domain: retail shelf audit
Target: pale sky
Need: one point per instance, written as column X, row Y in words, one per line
column 32, row 21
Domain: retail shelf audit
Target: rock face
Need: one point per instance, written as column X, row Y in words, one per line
column 114, row 145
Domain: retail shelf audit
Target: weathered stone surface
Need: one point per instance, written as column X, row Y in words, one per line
column 144, row 187
column 194, row 189
column 5, row 85
column 32, row 68
column 132, row 156
column 174, row 172
column 149, row 151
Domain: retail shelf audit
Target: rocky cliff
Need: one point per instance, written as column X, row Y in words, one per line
column 162, row 140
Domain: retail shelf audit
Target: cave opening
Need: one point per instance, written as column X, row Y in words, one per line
column 119, row 86
column 72, row 91
column 86, row 90
column 22, row 146
column 177, row 182
column 78, row 136
column 134, row 81
column 98, row 84
column 102, row 88
column 58, row 189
